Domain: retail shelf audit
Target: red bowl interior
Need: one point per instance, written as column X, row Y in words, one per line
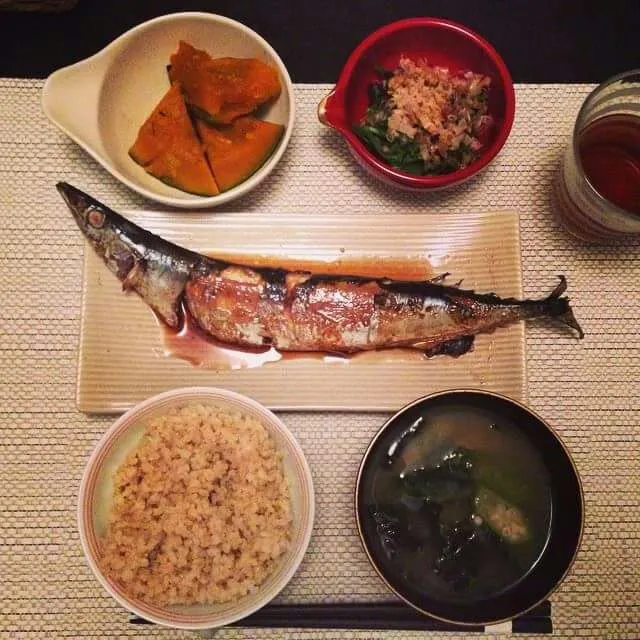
column 441, row 43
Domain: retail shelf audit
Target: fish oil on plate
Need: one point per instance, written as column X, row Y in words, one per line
column 457, row 502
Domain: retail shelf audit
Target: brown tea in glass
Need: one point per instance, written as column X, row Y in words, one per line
column 598, row 191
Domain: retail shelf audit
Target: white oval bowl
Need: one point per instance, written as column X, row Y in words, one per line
column 102, row 101
column 96, row 497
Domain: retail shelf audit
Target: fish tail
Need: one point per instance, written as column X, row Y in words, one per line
column 557, row 306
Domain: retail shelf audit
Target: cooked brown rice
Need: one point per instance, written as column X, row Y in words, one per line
column 201, row 509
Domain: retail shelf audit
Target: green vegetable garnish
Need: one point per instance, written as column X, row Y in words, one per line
column 400, row 152
column 421, row 155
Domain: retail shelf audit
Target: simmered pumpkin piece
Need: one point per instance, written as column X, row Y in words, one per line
column 237, row 150
column 168, row 148
column 166, row 122
column 180, row 168
column 222, row 89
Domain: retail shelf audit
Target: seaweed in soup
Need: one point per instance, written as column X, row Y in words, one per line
column 463, row 504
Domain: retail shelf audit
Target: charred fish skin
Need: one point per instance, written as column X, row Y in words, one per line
column 300, row 312
column 156, row 269
column 492, row 311
column 297, row 311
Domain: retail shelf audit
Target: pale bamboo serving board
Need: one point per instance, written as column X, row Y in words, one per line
column 122, row 354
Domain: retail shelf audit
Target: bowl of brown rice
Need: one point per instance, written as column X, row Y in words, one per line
column 196, row 508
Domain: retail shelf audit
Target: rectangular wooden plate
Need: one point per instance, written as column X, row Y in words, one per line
column 123, row 360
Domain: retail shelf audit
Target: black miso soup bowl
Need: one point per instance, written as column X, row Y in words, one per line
column 566, row 521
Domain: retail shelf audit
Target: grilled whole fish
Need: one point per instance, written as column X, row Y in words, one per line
column 297, row 311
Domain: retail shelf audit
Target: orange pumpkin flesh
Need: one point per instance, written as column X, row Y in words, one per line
column 167, row 147
column 222, row 89
column 237, row 150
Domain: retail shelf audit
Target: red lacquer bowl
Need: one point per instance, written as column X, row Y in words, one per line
column 441, row 43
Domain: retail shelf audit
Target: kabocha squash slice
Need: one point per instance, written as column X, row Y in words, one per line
column 221, row 89
column 168, row 148
column 237, row 150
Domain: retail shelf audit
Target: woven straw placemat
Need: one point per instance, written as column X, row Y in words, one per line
column 588, row 390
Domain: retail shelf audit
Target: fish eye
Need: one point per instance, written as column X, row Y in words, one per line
column 96, row 218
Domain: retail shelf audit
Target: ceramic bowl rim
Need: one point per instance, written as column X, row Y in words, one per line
column 189, row 201
column 490, row 394
column 194, row 394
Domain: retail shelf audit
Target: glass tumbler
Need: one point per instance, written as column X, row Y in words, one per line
column 598, row 188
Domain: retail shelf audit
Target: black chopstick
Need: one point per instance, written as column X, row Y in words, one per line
column 532, row 625
column 384, row 616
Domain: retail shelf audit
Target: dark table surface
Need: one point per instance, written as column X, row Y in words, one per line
column 540, row 40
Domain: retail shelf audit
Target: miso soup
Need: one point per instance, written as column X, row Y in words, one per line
column 458, row 502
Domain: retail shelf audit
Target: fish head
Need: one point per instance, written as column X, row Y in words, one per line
column 156, row 269
column 103, row 228
column 89, row 214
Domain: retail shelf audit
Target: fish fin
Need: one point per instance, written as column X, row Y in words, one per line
column 558, row 307
column 439, row 278
column 134, row 275
column 454, row 348
column 560, row 289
